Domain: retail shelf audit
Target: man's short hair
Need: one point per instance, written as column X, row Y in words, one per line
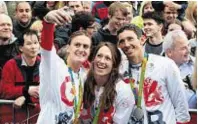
column 155, row 16
column 18, row 2
column 131, row 27
column 82, row 19
column 29, row 32
column 170, row 38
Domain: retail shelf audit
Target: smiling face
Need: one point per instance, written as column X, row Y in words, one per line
column 151, row 28
column 130, row 44
column 180, row 52
column 117, row 20
column 5, row 27
column 103, row 62
column 23, row 12
column 79, row 49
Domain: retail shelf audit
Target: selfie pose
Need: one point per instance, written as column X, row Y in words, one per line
column 62, row 81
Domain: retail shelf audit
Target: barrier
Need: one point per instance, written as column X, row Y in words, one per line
column 29, row 114
column 11, row 115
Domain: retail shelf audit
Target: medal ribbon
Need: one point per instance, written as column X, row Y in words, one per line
column 95, row 121
column 77, row 105
column 143, row 69
column 97, row 113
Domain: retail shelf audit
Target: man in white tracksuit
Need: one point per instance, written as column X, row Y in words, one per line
column 163, row 97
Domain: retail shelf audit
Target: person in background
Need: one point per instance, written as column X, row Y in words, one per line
column 61, row 80
column 155, row 82
column 41, row 8
column 100, row 11
column 146, row 6
column 76, row 6
column 107, row 99
column 80, row 21
column 176, row 47
column 129, row 12
column 20, row 81
column 117, row 18
column 153, row 24
column 8, row 45
column 37, row 26
column 175, row 26
column 87, row 6
column 171, row 9
column 23, row 18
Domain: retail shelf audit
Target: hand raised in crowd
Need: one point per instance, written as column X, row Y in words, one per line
column 18, row 103
column 34, row 91
column 58, row 17
column 172, row 5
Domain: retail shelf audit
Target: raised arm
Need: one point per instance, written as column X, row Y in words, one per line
column 58, row 17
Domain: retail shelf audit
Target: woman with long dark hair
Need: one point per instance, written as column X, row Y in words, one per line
column 107, row 99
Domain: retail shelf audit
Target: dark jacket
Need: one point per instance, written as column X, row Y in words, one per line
column 103, row 35
column 61, row 35
column 18, row 29
column 15, row 79
column 7, row 52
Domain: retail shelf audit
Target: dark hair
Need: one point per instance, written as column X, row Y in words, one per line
column 109, row 94
column 131, row 27
column 28, row 32
column 155, row 16
column 82, row 19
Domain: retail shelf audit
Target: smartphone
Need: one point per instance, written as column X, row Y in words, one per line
column 69, row 11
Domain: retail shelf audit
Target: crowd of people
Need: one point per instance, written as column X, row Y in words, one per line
column 84, row 62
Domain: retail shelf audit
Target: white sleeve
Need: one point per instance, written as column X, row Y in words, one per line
column 49, row 74
column 176, row 92
column 124, row 104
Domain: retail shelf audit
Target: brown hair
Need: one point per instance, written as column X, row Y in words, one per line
column 77, row 33
column 117, row 6
column 109, row 93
